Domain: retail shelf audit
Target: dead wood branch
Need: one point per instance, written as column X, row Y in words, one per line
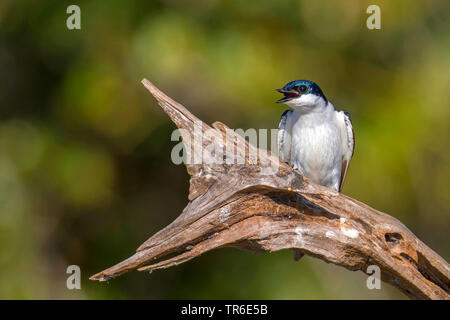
column 265, row 205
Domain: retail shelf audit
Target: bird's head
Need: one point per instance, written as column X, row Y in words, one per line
column 302, row 94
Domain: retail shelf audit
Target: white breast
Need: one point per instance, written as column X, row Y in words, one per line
column 316, row 147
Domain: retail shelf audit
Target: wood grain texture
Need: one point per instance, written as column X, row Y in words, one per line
column 263, row 205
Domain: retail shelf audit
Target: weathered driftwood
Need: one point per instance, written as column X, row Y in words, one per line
column 242, row 205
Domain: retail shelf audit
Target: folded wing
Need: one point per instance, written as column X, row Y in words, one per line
column 284, row 136
column 348, row 142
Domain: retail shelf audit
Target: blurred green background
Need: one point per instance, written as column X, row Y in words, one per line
column 85, row 169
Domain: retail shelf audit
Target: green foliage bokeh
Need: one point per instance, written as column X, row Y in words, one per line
column 85, row 169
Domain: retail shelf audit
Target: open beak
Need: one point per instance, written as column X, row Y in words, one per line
column 288, row 95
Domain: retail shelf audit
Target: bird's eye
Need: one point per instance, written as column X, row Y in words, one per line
column 302, row 88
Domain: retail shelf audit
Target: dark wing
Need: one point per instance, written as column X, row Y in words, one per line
column 348, row 142
column 284, row 136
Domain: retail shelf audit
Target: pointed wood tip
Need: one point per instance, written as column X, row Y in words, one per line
column 146, row 83
column 100, row 277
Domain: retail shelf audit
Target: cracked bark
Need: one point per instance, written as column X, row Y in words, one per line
column 261, row 204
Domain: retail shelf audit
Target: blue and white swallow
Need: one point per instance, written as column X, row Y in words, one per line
column 313, row 137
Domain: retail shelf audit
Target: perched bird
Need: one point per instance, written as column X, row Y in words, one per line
column 314, row 138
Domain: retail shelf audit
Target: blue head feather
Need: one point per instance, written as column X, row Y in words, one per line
column 313, row 88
